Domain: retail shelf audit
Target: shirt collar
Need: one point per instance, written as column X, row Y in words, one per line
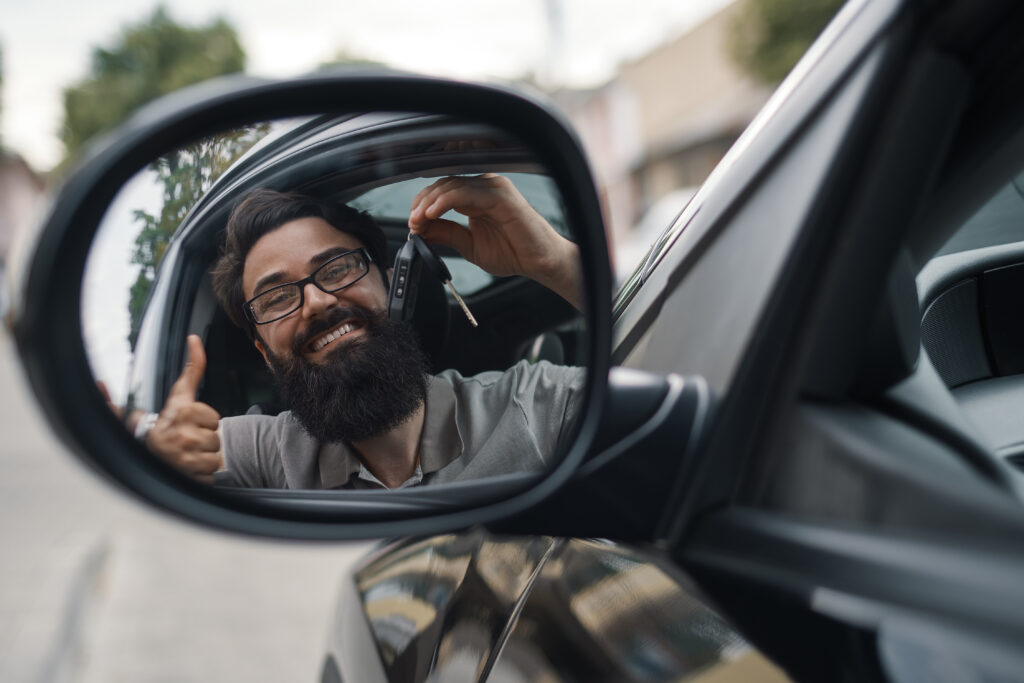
column 440, row 441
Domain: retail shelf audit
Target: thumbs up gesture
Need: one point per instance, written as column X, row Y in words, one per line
column 185, row 433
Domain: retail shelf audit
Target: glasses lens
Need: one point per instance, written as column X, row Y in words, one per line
column 341, row 272
column 276, row 302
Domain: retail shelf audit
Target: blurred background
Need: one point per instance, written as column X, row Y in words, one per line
column 93, row 586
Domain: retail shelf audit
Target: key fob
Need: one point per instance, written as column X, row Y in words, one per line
column 414, row 256
column 405, row 282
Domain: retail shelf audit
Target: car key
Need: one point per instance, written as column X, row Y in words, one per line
column 413, row 255
column 462, row 304
column 440, row 270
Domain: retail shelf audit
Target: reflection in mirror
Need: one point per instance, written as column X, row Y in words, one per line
column 244, row 311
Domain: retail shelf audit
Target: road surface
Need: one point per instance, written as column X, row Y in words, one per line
column 97, row 588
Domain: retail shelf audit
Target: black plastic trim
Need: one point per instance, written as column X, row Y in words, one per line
column 47, row 322
column 653, row 428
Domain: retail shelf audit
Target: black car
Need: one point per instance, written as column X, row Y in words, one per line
column 800, row 438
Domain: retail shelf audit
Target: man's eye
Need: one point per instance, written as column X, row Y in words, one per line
column 278, row 299
column 336, row 272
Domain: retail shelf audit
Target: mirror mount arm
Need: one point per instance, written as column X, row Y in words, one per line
column 651, row 427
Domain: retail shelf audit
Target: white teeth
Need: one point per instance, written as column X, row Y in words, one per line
column 332, row 335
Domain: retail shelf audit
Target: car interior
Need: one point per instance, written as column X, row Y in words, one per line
column 971, row 324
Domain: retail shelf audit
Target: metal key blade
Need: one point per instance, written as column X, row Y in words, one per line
column 462, row 304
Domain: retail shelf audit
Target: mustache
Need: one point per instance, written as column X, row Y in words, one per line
column 334, row 317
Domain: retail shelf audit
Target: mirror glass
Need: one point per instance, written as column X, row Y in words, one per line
column 244, row 312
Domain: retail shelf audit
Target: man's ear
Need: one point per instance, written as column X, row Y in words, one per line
column 263, row 351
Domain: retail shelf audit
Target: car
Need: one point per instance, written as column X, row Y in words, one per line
column 798, row 445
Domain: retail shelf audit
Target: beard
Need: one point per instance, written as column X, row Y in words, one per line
column 364, row 388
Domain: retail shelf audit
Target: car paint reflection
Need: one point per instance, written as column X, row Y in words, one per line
column 463, row 607
column 443, row 602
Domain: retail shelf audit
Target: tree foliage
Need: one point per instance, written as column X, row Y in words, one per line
column 185, row 176
column 344, row 59
column 768, row 37
column 151, row 59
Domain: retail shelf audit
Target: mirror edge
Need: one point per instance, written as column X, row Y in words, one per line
column 47, row 303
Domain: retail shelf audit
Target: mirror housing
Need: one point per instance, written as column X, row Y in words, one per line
column 46, row 317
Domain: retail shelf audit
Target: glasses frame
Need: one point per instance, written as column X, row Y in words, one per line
column 250, row 314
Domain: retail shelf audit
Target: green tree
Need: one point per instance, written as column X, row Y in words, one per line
column 768, row 37
column 344, row 59
column 153, row 58
column 186, row 175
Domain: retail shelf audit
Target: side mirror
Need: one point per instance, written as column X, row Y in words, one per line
column 120, row 274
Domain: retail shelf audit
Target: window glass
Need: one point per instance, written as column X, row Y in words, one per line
column 999, row 221
column 390, row 203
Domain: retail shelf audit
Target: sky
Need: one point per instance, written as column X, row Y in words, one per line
column 47, row 44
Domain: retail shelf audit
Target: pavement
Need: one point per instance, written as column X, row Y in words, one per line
column 95, row 587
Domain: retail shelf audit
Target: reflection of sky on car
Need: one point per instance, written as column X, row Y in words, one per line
column 391, row 203
column 109, row 275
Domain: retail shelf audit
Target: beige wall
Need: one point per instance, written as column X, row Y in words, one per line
column 605, row 120
column 689, row 91
column 21, row 192
column 665, row 120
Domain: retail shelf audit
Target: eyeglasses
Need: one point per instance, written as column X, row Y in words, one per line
column 339, row 272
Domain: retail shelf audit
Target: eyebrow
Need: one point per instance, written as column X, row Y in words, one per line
column 276, row 278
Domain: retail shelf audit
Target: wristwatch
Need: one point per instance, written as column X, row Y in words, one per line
column 144, row 424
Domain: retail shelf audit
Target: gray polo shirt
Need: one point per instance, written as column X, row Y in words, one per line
column 486, row 425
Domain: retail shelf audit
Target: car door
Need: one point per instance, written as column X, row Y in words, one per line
column 840, row 514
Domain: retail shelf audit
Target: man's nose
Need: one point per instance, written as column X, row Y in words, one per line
column 316, row 301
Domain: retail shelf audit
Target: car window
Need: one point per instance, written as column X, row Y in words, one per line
column 519, row 334
column 389, row 204
column 969, row 294
column 999, row 221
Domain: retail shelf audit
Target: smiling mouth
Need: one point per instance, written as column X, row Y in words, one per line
column 332, row 336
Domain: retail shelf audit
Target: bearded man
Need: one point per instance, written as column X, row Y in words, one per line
column 307, row 280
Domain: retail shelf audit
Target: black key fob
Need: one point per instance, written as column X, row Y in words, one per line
column 412, row 258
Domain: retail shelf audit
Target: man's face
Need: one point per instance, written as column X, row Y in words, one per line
column 367, row 380
column 290, row 253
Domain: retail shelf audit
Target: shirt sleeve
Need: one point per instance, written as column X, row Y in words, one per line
column 550, row 397
column 251, row 449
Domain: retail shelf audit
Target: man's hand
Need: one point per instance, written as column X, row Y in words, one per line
column 185, row 434
column 506, row 235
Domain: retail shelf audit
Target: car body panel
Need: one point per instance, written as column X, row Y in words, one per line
column 476, row 606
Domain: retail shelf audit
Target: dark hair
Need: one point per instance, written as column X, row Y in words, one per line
column 262, row 211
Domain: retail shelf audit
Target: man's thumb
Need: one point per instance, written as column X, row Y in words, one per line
column 195, row 366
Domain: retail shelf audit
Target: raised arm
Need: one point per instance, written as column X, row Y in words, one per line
column 506, row 235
